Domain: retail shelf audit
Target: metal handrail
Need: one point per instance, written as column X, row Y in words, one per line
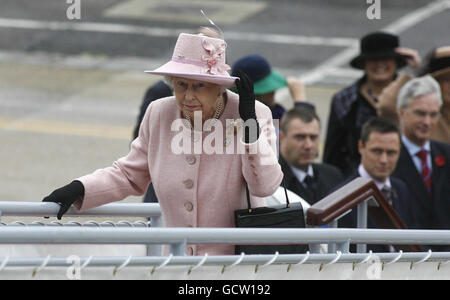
column 152, row 211
column 179, row 237
column 78, row 224
column 48, row 209
column 73, row 232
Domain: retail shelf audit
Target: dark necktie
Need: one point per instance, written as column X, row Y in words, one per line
column 387, row 194
column 426, row 173
column 311, row 186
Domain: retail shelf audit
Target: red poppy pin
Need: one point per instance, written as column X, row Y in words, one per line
column 439, row 160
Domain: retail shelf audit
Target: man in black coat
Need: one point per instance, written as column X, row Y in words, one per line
column 299, row 146
column 424, row 164
column 379, row 147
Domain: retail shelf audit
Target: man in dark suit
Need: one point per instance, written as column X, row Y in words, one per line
column 379, row 147
column 299, row 147
column 424, row 164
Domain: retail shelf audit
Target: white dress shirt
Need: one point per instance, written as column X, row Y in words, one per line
column 300, row 174
column 380, row 185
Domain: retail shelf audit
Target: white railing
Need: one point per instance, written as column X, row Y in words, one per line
column 179, row 237
column 140, row 233
column 149, row 211
column 48, row 209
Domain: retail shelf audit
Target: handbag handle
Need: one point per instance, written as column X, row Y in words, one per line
column 288, row 204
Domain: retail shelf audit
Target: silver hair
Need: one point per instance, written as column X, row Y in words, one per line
column 169, row 81
column 417, row 87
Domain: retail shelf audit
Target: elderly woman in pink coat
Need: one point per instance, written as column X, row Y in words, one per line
column 194, row 147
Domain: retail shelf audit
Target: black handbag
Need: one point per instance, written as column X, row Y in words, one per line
column 289, row 215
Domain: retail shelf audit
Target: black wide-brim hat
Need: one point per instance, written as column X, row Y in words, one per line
column 379, row 45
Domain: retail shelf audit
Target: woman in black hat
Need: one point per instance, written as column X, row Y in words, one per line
column 380, row 58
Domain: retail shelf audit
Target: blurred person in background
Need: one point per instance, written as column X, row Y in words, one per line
column 299, row 148
column 267, row 81
column 379, row 147
column 424, row 164
column 380, row 58
column 436, row 64
column 193, row 189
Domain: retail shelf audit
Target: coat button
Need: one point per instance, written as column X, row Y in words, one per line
column 189, row 184
column 191, row 160
column 189, row 206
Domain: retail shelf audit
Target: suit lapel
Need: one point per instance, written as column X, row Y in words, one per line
column 439, row 177
column 420, row 198
column 395, row 196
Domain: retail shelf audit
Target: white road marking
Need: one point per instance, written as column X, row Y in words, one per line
column 407, row 21
column 64, row 128
column 222, row 12
column 167, row 32
column 417, row 16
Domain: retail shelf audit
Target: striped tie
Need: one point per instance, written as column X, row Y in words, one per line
column 426, row 174
column 387, row 193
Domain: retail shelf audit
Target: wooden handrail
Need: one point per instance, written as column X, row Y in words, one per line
column 348, row 197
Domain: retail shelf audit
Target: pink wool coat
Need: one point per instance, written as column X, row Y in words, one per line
column 193, row 189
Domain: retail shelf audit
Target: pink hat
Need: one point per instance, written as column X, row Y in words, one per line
column 199, row 58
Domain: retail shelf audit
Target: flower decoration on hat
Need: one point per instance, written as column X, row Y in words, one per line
column 214, row 57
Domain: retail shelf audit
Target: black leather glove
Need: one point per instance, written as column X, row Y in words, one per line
column 247, row 106
column 66, row 196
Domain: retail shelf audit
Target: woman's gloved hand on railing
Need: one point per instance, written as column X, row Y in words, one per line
column 66, row 196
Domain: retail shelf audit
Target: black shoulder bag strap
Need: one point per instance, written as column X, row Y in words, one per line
column 248, row 196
